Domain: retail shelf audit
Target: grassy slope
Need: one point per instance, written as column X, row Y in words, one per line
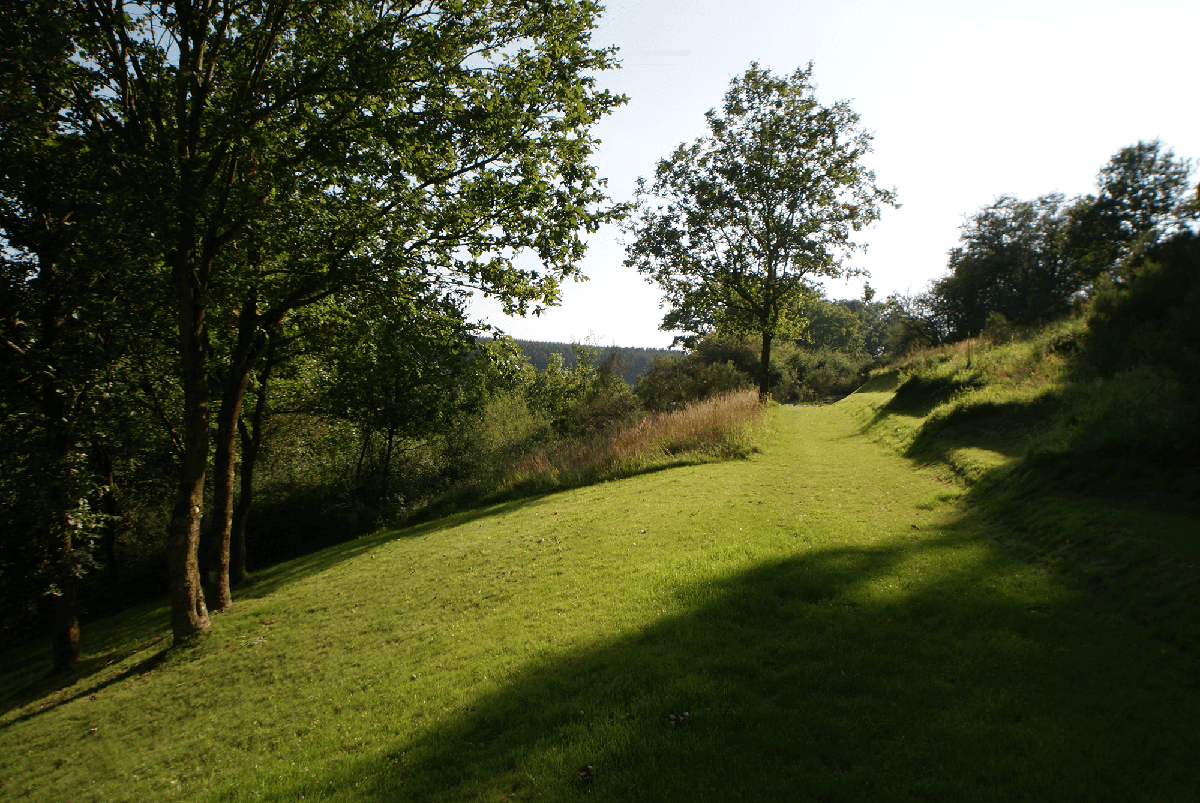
column 1066, row 469
column 821, row 622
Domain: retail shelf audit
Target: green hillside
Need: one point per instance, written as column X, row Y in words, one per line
column 872, row 607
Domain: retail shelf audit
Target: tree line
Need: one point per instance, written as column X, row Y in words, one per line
column 199, row 200
column 629, row 363
column 1021, row 262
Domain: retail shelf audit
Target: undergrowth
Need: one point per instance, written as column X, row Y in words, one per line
column 727, row 426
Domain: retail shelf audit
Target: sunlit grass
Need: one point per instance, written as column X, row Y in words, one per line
column 820, row 621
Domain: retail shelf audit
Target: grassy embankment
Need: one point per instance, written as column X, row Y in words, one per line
column 1070, row 469
column 827, row 620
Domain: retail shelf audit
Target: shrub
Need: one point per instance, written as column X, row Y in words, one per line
column 673, row 383
column 1154, row 317
column 818, row 375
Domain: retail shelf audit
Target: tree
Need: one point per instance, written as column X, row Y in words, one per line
column 738, row 224
column 1141, row 196
column 322, row 145
column 833, row 325
column 62, row 270
column 1012, row 260
column 395, row 370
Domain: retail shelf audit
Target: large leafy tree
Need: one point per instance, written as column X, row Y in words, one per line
column 286, row 151
column 395, row 374
column 64, row 308
column 1012, row 259
column 1142, row 195
column 739, row 224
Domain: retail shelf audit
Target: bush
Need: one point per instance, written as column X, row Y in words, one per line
column 997, row 328
column 1154, row 317
column 807, row 376
column 673, row 383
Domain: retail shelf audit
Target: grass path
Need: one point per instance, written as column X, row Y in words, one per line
column 820, row 622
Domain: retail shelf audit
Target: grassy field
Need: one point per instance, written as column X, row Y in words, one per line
column 825, row 620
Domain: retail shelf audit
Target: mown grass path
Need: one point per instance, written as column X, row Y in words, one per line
column 821, row 622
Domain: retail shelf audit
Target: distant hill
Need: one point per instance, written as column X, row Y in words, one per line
column 633, row 363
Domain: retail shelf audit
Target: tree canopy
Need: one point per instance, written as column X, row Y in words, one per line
column 1141, row 195
column 1028, row 260
column 738, row 224
column 1011, row 260
column 233, row 163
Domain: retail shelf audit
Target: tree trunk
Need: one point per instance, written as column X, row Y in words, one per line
column 362, row 455
column 764, row 368
column 241, row 512
column 57, row 416
column 112, row 508
column 64, row 605
column 251, row 444
column 387, row 464
column 64, row 622
column 242, row 360
column 189, row 615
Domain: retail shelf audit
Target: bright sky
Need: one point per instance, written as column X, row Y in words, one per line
column 967, row 100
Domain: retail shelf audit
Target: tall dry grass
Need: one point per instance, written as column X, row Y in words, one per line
column 722, row 427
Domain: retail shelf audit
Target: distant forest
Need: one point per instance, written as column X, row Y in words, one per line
column 632, row 363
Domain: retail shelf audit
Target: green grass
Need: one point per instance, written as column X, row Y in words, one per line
column 826, row 620
column 1085, row 475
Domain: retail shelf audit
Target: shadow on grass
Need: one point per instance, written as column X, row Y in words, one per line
column 1126, row 523
column 805, row 679
column 25, row 671
column 48, row 687
column 916, row 397
column 1006, row 428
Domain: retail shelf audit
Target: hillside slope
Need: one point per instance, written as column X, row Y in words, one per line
column 1092, row 475
column 828, row 620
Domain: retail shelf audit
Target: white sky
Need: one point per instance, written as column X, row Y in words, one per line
column 967, row 100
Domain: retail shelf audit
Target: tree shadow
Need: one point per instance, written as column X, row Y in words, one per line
column 270, row 579
column 1006, row 428
column 58, row 689
column 916, row 397
column 809, row 678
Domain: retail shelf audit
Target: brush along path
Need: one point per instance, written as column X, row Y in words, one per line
column 819, row 622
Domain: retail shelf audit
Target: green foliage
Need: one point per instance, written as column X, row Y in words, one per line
column 817, row 375
column 738, row 224
column 1150, row 319
column 997, row 328
column 1141, row 195
column 833, row 326
column 1012, row 261
column 715, row 366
